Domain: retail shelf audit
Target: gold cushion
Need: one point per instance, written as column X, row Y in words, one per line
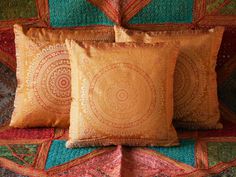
column 122, row 93
column 43, row 74
column 195, row 88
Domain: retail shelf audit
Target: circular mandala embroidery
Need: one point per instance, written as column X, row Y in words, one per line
column 189, row 85
column 51, row 79
column 121, row 95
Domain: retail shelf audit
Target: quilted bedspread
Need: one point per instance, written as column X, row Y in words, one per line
column 42, row 152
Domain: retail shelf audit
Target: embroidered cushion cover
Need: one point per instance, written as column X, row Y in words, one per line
column 195, row 89
column 122, row 93
column 43, row 74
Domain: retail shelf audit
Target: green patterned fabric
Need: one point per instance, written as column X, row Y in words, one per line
column 165, row 11
column 213, row 5
column 221, row 152
column 20, row 154
column 230, row 172
column 76, row 13
column 229, row 9
column 13, row 9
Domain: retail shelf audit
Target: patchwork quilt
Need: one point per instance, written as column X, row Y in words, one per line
column 42, row 152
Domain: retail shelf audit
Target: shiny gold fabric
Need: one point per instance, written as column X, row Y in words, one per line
column 122, row 93
column 195, row 89
column 43, row 74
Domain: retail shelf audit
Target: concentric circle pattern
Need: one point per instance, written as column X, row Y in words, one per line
column 51, row 79
column 121, row 95
column 190, row 84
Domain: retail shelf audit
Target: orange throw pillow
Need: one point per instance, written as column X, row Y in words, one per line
column 195, row 88
column 122, row 93
column 43, row 73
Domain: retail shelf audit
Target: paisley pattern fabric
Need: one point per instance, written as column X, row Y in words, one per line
column 122, row 94
column 43, row 74
column 195, row 94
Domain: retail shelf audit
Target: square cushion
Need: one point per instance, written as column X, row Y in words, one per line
column 122, row 93
column 195, row 88
column 43, row 73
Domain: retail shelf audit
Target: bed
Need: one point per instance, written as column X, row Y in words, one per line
column 42, row 152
